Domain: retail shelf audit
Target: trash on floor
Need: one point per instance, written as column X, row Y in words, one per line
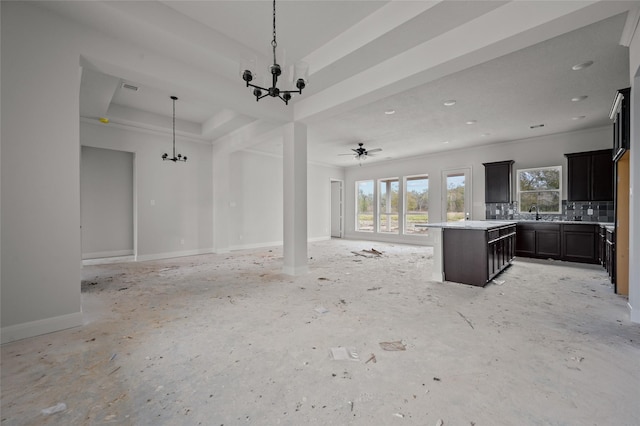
column 499, row 282
column 371, row 358
column 340, row 353
column 321, row 310
column 393, row 346
column 61, row 406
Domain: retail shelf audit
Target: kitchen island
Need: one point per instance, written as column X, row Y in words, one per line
column 472, row 251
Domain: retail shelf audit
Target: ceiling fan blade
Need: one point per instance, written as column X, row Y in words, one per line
column 374, row 150
column 346, row 154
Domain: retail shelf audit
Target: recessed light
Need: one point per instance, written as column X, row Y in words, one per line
column 445, row 142
column 579, row 98
column 582, row 66
column 472, row 122
column 390, row 111
column 579, row 117
column 484, row 135
column 536, row 126
column 450, row 102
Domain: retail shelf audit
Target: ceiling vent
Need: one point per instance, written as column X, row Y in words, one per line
column 130, row 87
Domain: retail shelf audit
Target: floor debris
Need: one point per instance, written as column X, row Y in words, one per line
column 371, row 358
column 341, row 353
column 393, row 346
column 467, row 320
column 61, row 406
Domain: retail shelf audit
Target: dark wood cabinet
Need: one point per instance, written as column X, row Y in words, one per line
column 497, row 182
column 560, row 241
column 476, row 256
column 538, row 239
column 620, row 114
column 610, row 254
column 580, row 243
column 590, row 176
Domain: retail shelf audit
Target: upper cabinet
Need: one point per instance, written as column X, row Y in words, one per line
column 497, row 182
column 620, row 114
column 590, row 176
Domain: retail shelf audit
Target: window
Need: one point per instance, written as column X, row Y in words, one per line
column 388, row 205
column 364, row 206
column 416, row 204
column 540, row 188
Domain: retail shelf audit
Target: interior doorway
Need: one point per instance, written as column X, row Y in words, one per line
column 336, row 209
column 456, row 194
column 106, row 203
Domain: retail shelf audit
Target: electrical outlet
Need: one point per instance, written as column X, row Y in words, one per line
column 153, row 202
column 182, row 241
column 590, row 212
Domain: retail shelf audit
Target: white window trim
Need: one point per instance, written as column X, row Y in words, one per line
column 404, row 198
column 559, row 190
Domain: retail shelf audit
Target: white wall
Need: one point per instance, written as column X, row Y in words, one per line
column 40, row 175
column 173, row 200
column 536, row 152
column 106, row 202
column 256, row 200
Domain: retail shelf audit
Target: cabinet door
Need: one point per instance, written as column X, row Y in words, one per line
column 548, row 244
column 579, row 246
column 497, row 184
column 525, row 241
column 602, row 176
column 579, row 178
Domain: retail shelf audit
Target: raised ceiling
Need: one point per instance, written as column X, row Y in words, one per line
column 508, row 66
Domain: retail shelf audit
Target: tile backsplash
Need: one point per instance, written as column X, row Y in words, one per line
column 586, row 211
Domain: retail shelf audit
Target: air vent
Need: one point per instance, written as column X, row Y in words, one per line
column 130, row 87
column 536, row 126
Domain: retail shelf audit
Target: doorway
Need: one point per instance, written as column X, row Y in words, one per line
column 456, row 194
column 336, row 209
column 106, row 203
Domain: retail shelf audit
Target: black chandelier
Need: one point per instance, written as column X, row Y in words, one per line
column 165, row 156
column 276, row 71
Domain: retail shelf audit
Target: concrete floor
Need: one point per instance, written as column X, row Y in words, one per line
column 229, row 340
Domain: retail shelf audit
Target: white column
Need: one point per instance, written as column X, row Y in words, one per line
column 295, row 198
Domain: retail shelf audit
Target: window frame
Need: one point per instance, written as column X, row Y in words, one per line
column 405, row 210
column 519, row 192
column 373, row 205
column 380, row 214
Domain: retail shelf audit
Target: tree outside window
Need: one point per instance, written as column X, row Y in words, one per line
column 416, row 211
column 388, row 205
column 364, row 206
column 540, row 188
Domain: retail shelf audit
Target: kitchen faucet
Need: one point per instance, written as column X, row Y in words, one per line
column 534, row 207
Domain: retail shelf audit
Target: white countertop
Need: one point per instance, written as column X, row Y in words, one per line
column 468, row 224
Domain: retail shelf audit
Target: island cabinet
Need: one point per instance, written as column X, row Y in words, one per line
column 475, row 255
column 590, row 176
column 497, row 182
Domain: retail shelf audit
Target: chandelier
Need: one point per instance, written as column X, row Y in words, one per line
column 165, row 156
column 275, row 70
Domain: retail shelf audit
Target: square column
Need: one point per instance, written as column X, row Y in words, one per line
column 221, row 200
column 295, row 199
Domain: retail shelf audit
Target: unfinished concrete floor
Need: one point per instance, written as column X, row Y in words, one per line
column 229, row 340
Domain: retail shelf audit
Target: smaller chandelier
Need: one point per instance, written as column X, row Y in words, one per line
column 275, row 70
column 175, row 158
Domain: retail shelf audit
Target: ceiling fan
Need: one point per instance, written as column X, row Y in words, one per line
column 361, row 153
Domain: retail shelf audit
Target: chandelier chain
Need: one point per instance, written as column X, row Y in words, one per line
column 274, row 43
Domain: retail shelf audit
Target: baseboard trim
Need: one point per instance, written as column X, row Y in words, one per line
column 169, row 255
column 104, row 261
column 36, row 328
column 104, row 254
column 255, row 245
column 634, row 314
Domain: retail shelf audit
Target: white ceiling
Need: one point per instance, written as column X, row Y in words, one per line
column 508, row 65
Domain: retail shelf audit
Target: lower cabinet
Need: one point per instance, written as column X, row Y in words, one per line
column 610, row 253
column 580, row 243
column 559, row 241
column 541, row 240
column 474, row 256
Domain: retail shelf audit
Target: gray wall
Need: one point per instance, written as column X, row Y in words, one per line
column 106, row 202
